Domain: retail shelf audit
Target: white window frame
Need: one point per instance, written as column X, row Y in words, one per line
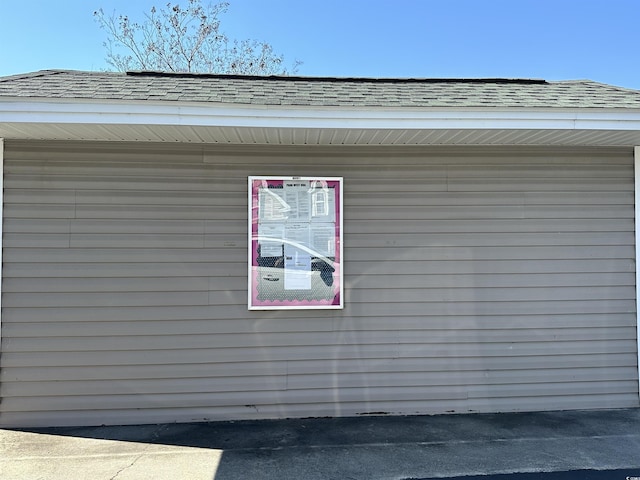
column 335, row 289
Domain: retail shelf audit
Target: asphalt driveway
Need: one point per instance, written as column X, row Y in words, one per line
column 589, row 445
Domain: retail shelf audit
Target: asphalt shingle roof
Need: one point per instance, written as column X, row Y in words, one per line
column 310, row 91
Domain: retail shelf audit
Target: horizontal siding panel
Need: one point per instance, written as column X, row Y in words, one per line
column 42, row 211
column 494, row 381
column 230, row 156
column 607, row 267
column 113, row 182
column 499, row 308
column 523, row 335
column 472, row 322
column 510, row 226
column 134, row 299
column 416, row 295
column 563, row 388
column 471, row 184
column 521, row 170
column 309, row 368
column 373, row 394
column 210, row 198
column 478, row 294
column 60, row 152
column 403, row 240
column 463, row 364
column 576, row 211
column 108, row 255
column 138, row 226
column 613, row 197
column 136, row 240
column 477, row 279
column 117, row 284
column 162, row 357
column 233, row 253
column 455, row 283
column 540, row 347
column 131, row 372
column 36, row 225
column 178, row 342
column 425, row 254
column 475, row 212
column 147, row 387
column 316, row 323
column 464, row 199
column 119, row 269
column 341, row 340
column 490, row 379
column 488, row 280
column 316, row 352
column 500, row 266
column 519, row 308
column 42, row 240
column 194, row 168
column 147, row 227
column 189, row 168
column 131, row 240
column 165, row 212
column 39, row 196
column 167, row 312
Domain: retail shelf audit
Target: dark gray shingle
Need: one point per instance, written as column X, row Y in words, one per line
column 331, row 92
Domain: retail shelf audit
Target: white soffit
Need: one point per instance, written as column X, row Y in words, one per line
column 202, row 123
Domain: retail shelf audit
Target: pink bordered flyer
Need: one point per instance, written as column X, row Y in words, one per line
column 295, row 243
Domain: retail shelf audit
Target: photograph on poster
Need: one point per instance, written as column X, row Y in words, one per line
column 295, row 242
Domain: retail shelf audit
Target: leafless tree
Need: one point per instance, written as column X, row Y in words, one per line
column 186, row 38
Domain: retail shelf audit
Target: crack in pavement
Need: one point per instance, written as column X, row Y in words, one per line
column 127, row 467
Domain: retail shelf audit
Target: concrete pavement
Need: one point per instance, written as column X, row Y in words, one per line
column 362, row 448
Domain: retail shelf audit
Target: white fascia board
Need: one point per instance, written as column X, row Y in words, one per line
column 268, row 116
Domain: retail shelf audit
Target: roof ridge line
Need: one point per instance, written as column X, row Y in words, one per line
column 152, row 73
column 39, row 73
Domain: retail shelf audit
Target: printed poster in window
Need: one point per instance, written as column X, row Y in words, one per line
column 295, row 242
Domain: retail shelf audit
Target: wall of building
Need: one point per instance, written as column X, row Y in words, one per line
column 476, row 280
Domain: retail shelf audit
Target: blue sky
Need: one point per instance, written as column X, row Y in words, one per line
column 549, row 39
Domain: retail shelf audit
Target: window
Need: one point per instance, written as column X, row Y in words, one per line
column 295, row 242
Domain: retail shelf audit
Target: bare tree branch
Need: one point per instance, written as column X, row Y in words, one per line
column 185, row 38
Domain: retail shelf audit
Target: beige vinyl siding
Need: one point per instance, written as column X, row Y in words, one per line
column 476, row 279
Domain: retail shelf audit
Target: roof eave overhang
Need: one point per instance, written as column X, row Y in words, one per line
column 167, row 121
